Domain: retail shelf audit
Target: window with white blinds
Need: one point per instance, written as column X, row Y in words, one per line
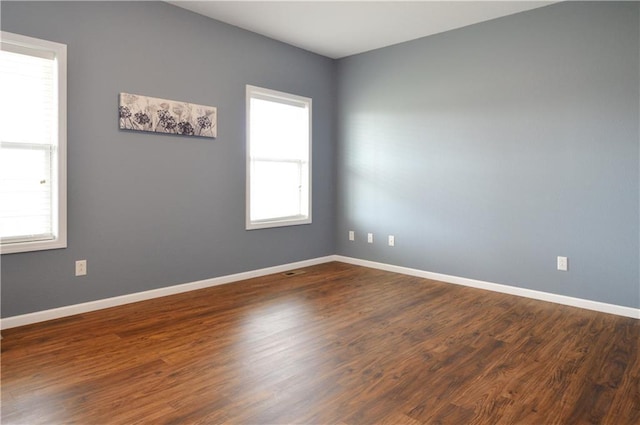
column 278, row 159
column 32, row 144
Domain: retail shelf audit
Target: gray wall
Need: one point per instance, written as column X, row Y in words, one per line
column 487, row 151
column 490, row 150
column 149, row 211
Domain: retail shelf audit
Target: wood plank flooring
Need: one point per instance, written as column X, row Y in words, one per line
column 338, row 344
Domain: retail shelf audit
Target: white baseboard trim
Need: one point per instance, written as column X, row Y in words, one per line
column 56, row 313
column 496, row 287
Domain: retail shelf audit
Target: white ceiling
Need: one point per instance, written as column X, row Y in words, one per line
column 342, row 28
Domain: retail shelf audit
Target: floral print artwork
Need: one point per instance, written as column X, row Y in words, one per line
column 145, row 113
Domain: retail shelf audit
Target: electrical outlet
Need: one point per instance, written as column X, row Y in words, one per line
column 81, row 267
column 392, row 240
column 563, row 264
column 370, row 237
column 352, row 235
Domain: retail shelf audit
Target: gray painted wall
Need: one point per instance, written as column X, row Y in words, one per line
column 490, row 150
column 487, row 151
column 149, row 211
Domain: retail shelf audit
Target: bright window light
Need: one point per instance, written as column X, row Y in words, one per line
column 278, row 158
column 32, row 142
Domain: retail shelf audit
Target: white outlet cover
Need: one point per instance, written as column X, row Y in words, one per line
column 81, row 267
column 563, row 264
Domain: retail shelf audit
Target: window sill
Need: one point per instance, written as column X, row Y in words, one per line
column 284, row 222
column 15, row 248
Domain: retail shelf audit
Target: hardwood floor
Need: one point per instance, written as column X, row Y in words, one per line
column 338, row 344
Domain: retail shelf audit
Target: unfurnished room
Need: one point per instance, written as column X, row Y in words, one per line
column 320, row 212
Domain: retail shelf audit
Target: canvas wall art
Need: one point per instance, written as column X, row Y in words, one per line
column 144, row 113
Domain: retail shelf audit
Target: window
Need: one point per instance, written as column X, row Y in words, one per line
column 32, row 144
column 278, row 159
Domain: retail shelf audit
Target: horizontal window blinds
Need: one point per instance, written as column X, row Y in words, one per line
column 28, row 143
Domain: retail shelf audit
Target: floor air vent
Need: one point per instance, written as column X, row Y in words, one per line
column 294, row 273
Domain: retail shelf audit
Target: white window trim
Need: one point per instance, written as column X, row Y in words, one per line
column 268, row 94
column 59, row 210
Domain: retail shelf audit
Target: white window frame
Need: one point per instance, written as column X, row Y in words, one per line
column 285, row 98
column 29, row 45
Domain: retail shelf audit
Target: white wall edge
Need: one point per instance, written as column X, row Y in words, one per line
column 496, row 287
column 56, row 313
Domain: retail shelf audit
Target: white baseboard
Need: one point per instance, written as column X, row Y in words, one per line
column 496, row 287
column 56, row 313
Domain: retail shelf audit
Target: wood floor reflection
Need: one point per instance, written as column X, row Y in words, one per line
column 338, row 344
